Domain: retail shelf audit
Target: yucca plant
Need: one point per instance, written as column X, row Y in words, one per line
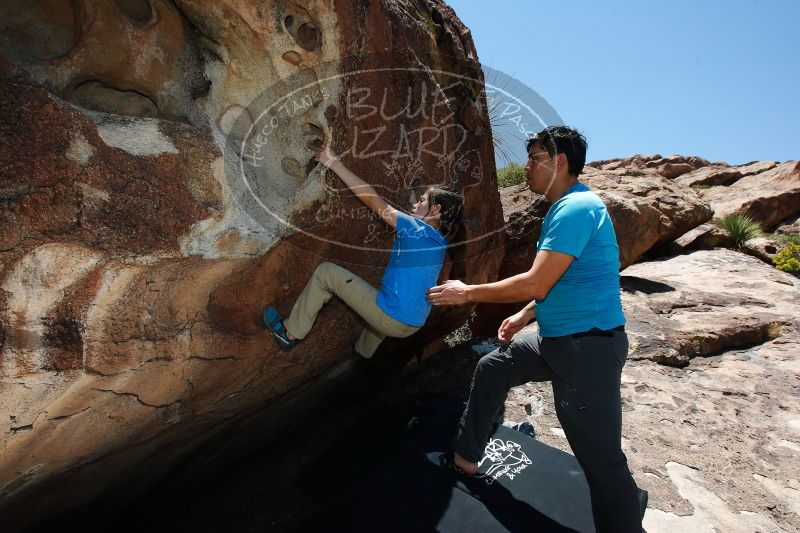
column 740, row 228
column 503, row 135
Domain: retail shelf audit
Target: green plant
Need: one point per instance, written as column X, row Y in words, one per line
column 740, row 228
column 790, row 239
column 788, row 258
column 513, row 174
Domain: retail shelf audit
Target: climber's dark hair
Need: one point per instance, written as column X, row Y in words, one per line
column 562, row 140
column 452, row 205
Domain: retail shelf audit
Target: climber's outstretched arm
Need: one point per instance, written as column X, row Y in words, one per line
column 365, row 192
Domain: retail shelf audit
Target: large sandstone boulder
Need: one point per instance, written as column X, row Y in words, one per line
column 157, row 188
column 703, row 237
column 769, row 197
column 648, row 210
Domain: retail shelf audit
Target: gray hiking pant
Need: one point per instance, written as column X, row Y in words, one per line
column 329, row 279
column 585, row 374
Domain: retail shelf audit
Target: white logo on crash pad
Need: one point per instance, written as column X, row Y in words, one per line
column 504, row 458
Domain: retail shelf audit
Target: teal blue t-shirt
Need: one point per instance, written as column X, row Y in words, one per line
column 417, row 256
column 587, row 295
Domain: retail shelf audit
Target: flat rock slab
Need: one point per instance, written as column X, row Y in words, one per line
column 717, row 444
column 705, row 303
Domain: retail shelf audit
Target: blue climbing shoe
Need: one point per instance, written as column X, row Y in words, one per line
column 274, row 323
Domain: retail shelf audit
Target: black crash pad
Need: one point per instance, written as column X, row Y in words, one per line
column 375, row 479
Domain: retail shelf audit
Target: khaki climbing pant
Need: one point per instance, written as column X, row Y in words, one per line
column 329, row 279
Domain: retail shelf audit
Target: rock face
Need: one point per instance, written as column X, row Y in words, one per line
column 770, row 197
column 719, row 174
column 157, row 188
column 648, row 210
column 767, row 191
column 670, row 167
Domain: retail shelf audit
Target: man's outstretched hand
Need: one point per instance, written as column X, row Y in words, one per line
column 513, row 324
column 327, row 157
column 451, row 292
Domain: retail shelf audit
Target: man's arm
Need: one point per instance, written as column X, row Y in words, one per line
column 513, row 324
column 363, row 190
column 534, row 284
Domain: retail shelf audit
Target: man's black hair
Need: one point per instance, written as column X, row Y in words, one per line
column 562, row 140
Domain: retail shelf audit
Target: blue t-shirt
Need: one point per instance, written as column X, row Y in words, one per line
column 417, row 256
column 587, row 295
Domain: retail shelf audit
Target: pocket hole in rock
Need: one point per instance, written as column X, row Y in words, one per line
column 304, row 33
column 292, row 167
column 137, row 11
column 292, row 58
column 307, row 36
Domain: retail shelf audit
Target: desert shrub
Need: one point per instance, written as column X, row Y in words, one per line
column 740, row 228
column 513, row 174
column 788, row 258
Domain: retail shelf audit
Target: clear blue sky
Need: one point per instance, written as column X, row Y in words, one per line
column 718, row 79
